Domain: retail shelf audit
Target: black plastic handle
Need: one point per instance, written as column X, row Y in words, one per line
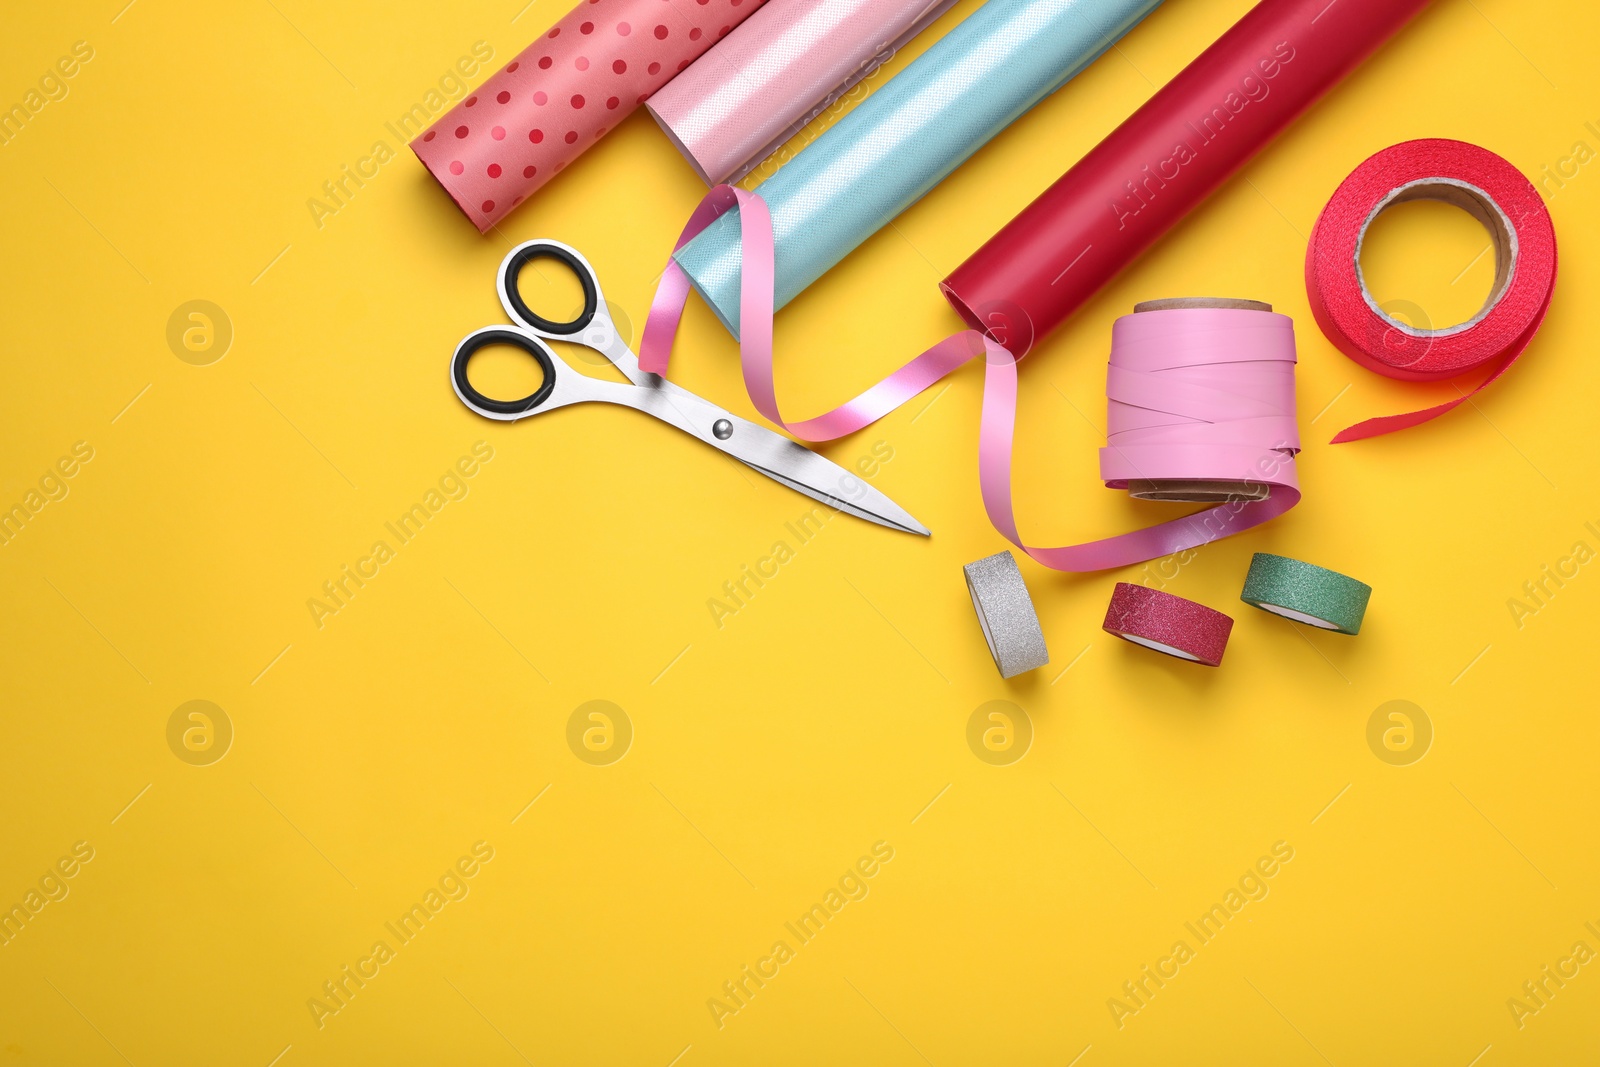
column 531, row 345
column 541, row 250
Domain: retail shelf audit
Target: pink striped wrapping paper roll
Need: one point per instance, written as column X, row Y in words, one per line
column 562, row 93
column 776, row 73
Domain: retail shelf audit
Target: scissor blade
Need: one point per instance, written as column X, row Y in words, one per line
column 869, row 503
column 774, row 455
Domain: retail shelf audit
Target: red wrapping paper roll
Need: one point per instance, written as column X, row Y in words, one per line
column 1167, row 157
column 1524, row 239
column 562, row 93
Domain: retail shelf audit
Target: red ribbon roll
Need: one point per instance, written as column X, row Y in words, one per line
column 1487, row 187
column 1168, row 624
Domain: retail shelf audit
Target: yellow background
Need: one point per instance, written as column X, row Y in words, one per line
column 829, row 713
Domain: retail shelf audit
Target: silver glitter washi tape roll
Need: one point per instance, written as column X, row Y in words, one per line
column 1005, row 611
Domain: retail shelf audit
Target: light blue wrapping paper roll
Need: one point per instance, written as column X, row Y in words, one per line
column 907, row 137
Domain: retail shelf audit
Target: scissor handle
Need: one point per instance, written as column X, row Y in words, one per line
column 567, row 256
column 488, row 406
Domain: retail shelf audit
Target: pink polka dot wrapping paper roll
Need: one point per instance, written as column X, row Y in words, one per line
column 562, row 93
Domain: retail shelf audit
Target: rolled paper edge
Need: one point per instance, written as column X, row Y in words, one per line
column 677, row 142
column 704, row 261
column 438, row 180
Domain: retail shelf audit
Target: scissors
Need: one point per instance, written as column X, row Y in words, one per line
column 759, row 448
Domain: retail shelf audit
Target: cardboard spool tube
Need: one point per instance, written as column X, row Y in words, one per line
column 1474, row 202
column 1181, row 491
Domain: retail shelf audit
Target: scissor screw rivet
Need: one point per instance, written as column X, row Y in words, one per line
column 722, row 429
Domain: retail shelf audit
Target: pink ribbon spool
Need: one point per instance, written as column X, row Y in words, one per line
column 1199, row 418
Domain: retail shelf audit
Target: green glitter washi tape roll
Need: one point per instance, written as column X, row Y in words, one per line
column 1306, row 593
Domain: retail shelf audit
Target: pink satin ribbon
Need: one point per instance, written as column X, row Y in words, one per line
column 1189, row 402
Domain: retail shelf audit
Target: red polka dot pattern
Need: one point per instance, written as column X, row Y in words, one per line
column 540, row 98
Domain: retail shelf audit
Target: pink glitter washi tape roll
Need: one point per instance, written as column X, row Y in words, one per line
column 1168, row 624
column 562, row 93
column 776, row 73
